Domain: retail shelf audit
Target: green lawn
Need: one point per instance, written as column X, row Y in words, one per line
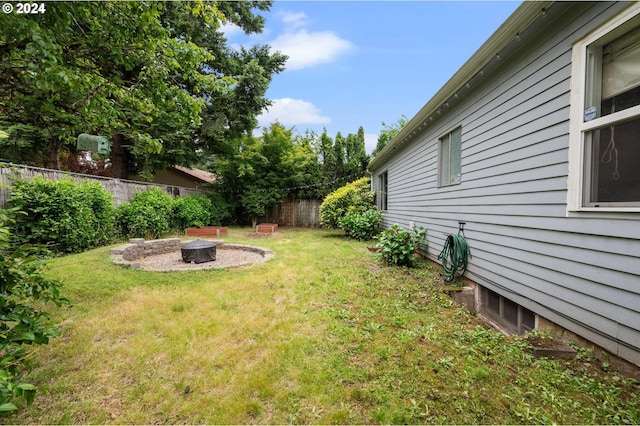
column 322, row 333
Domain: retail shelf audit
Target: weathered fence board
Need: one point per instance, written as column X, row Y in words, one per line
column 122, row 190
column 293, row 212
column 298, row 213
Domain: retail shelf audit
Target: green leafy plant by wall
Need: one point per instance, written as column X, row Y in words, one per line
column 201, row 210
column 192, row 211
column 397, row 246
column 353, row 198
column 23, row 291
column 149, row 214
column 220, row 210
column 361, row 226
column 63, row 215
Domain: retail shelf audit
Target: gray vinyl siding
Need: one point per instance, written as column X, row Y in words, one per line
column 581, row 271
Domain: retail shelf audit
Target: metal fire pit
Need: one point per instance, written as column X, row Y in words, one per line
column 199, row 251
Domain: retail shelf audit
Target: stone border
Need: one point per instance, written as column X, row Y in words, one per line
column 128, row 254
column 138, row 248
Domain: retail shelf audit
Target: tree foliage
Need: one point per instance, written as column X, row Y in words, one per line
column 388, row 132
column 145, row 73
column 258, row 173
column 343, row 159
column 23, row 292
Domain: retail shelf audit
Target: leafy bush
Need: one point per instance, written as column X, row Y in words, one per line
column 397, row 245
column 200, row 210
column 220, row 211
column 353, row 198
column 361, row 226
column 64, row 215
column 22, row 291
column 148, row 215
column 192, row 211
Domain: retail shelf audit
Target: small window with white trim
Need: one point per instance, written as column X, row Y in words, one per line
column 450, row 158
column 382, row 200
column 609, row 126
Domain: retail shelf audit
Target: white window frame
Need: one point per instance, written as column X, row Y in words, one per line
column 578, row 127
column 383, row 181
column 441, row 140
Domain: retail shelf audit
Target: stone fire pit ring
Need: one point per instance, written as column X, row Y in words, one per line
column 166, row 255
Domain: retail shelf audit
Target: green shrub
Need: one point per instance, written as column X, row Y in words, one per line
column 148, row 215
column 63, row 215
column 355, row 197
column 361, row 226
column 220, row 211
column 23, row 291
column 193, row 210
column 396, row 246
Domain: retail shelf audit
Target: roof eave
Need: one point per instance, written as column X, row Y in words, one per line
column 518, row 20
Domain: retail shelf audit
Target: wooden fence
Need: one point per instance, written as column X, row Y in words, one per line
column 298, row 213
column 122, row 190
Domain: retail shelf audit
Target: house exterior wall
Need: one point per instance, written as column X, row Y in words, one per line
column 579, row 270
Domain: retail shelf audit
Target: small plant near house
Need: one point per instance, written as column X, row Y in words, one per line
column 361, row 226
column 397, row 246
column 22, row 291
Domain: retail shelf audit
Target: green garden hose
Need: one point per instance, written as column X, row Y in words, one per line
column 454, row 256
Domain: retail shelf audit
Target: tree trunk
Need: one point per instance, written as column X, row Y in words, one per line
column 54, row 155
column 119, row 157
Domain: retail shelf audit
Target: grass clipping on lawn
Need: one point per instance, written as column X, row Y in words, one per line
column 322, row 333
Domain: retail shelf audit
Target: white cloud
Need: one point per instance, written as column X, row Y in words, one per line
column 230, row 29
column 306, row 49
column 292, row 112
column 370, row 142
column 294, row 19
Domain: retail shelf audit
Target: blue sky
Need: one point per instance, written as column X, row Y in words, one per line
column 361, row 63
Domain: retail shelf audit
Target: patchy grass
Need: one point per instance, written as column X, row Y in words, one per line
column 319, row 334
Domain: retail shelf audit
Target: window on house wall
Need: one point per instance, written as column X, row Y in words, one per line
column 450, row 158
column 382, row 203
column 608, row 122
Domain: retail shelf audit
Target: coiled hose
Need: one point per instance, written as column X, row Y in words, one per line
column 454, row 256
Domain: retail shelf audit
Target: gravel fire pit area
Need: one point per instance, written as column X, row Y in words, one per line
column 166, row 255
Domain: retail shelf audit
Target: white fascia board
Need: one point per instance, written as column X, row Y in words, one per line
column 519, row 19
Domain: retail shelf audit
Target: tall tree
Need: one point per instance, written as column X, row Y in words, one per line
column 388, row 132
column 231, row 113
column 261, row 172
column 356, row 156
column 339, row 156
column 89, row 67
